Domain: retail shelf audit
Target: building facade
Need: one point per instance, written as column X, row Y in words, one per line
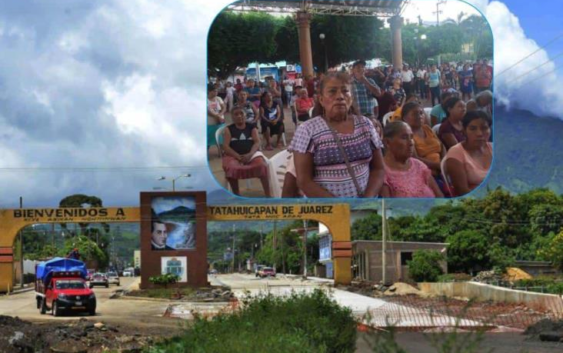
column 367, row 260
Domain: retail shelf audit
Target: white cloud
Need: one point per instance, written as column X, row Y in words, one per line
column 540, row 91
column 110, row 84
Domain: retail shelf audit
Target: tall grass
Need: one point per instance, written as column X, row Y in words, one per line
column 299, row 323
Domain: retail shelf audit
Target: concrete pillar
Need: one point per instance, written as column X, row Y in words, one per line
column 342, row 272
column 396, row 23
column 303, row 26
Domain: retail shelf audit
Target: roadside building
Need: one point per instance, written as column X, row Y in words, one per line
column 367, row 262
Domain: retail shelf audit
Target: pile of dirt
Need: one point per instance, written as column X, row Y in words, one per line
column 18, row 336
column 515, row 274
column 488, row 277
column 546, row 330
column 400, row 288
column 211, row 294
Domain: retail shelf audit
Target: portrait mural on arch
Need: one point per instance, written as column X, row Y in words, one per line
column 173, row 223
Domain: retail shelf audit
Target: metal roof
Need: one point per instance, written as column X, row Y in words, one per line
column 374, row 8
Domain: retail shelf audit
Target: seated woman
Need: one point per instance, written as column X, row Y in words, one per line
column 242, row 160
column 303, row 104
column 250, row 109
column 215, row 114
column 467, row 163
column 438, row 112
column 271, row 121
column 427, row 146
column 337, row 153
column 451, row 130
column 405, row 176
column 398, row 92
column 413, row 97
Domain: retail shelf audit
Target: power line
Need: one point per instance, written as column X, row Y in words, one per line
column 535, row 68
column 97, row 169
column 529, row 55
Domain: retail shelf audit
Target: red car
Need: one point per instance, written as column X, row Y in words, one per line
column 266, row 272
column 66, row 293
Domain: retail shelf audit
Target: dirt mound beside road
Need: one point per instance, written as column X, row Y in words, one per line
column 87, row 336
column 400, row 288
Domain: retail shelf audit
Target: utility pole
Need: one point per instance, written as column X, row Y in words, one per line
column 234, row 237
column 438, row 11
column 305, row 224
column 383, row 243
column 21, row 250
column 274, row 242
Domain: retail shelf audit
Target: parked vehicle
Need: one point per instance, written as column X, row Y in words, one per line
column 113, row 278
column 99, row 279
column 129, row 272
column 266, row 272
column 61, row 285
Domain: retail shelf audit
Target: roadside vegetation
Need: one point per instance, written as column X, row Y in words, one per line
column 299, row 323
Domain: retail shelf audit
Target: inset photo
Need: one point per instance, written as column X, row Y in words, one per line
column 347, row 99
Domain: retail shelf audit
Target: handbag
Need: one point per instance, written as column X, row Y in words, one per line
column 347, row 161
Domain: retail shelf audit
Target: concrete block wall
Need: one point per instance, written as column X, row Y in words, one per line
column 484, row 292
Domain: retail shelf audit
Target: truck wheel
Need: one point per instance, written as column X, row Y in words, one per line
column 56, row 310
column 43, row 306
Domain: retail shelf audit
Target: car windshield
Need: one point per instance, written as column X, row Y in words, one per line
column 112, row 274
column 69, row 284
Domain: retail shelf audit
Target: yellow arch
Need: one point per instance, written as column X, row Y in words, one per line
column 336, row 217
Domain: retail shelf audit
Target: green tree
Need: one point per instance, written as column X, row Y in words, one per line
column 554, row 251
column 468, row 252
column 89, row 250
column 368, row 228
column 425, row 266
column 81, row 200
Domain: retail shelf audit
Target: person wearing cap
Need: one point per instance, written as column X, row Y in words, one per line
column 364, row 90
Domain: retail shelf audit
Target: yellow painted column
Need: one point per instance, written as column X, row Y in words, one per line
column 342, row 270
column 305, row 54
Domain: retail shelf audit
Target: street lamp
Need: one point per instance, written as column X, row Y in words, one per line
column 174, row 180
column 322, row 37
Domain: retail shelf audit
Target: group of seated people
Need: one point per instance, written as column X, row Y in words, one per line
column 339, row 153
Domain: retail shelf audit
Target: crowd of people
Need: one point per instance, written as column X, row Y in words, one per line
column 362, row 133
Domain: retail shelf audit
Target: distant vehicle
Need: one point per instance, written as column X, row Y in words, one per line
column 129, row 272
column 113, row 278
column 213, row 272
column 266, row 272
column 99, row 279
column 61, row 285
column 89, row 273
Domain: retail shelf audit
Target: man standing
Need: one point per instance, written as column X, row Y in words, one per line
column 364, row 91
column 159, row 234
column 407, row 76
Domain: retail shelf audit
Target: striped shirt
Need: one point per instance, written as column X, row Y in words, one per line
column 330, row 171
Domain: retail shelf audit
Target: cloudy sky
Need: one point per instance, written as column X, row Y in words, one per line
column 105, row 97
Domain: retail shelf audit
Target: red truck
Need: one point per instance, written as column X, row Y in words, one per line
column 61, row 285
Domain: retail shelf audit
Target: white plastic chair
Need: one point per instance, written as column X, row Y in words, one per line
column 277, row 168
column 386, row 118
column 445, row 177
column 219, row 139
column 436, row 128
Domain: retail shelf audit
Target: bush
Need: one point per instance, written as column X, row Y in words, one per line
column 165, row 280
column 425, row 266
column 455, row 277
column 301, row 323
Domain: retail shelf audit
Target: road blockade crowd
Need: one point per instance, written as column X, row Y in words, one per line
column 361, row 132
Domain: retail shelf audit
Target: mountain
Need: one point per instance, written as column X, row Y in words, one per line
column 178, row 211
column 528, row 154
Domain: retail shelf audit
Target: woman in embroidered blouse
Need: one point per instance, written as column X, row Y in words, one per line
column 451, row 130
column 242, row 160
column 320, row 165
column 467, row 163
column 405, row 176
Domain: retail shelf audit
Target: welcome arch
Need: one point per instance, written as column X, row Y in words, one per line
column 336, row 217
